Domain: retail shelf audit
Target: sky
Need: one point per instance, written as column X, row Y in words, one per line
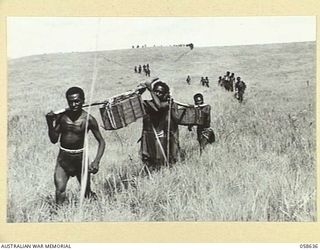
column 39, row 35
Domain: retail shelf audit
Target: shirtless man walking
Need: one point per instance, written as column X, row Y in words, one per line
column 70, row 127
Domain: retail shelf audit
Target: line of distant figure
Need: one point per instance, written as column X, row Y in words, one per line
column 204, row 81
column 145, row 68
column 228, row 81
column 175, row 45
column 141, row 46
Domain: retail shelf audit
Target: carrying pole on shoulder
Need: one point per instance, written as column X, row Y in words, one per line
column 57, row 112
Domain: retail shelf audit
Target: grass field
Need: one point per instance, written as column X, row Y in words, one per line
column 261, row 167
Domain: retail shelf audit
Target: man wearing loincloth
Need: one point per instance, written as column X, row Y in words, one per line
column 155, row 132
column 70, row 126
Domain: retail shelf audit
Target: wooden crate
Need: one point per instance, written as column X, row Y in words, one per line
column 193, row 115
column 121, row 112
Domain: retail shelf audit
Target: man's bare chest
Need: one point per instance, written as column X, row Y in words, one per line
column 74, row 126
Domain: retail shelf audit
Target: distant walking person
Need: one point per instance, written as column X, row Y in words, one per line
column 206, row 80
column 135, row 69
column 147, row 70
column 205, row 134
column 69, row 128
column 232, row 80
column 240, row 87
column 202, row 81
column 226, row 81
column 220, row 81
column 144, row 69
column 139, row 69
column 188, row 80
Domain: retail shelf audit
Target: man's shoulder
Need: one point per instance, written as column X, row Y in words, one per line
column 62, row 116
column 206, row 107
column 149, row 104
column 91, row 117
column 84, row 116
column 92, row 121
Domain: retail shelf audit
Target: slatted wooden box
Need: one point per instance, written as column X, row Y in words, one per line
column 193, row 115
column 122, row 111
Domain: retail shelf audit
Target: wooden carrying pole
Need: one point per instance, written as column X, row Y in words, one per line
column 97, row 103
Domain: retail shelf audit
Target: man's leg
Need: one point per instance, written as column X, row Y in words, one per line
column 149, row 165
column 240, row 97
column 200, row 148
column 88, row 193
column 60, row 181
column 203, row 142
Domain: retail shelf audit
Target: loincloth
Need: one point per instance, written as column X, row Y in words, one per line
column 70, row 161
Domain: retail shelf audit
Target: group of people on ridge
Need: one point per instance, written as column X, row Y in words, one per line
column 230, row 83
column 204, row 81
column 145, row 68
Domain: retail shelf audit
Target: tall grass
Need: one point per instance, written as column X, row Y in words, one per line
column 261, row 168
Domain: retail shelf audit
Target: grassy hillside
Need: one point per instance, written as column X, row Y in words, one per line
column 261, row 168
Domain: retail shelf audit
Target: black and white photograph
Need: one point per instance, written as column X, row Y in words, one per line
column 161, row 119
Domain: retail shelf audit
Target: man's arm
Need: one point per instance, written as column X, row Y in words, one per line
column 174, row 112
column 159, row 105
column 141, row 89
column 53, row 130
column 207, row 110
column 93, row 126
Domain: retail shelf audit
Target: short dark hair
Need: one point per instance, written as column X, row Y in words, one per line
column 75, row 90
column 197, row 95
column 162, row 84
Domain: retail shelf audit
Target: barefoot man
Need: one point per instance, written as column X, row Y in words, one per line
column 70, row 127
